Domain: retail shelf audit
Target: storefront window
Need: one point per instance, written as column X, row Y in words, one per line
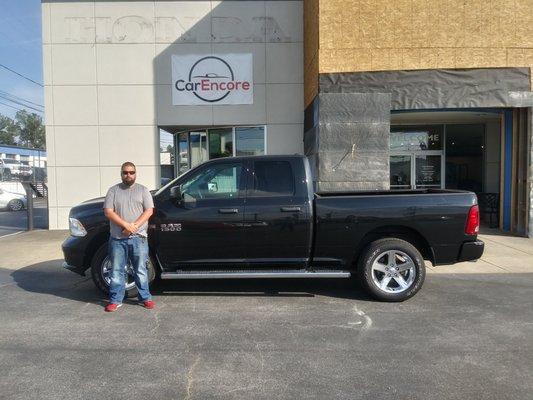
column 400, row 172
column 220, row 143
column 196, row 147
column 416, row 156
column 416, row 138
column 250, row 141
column 166, row 156
column 198, row 141
column 183, row 152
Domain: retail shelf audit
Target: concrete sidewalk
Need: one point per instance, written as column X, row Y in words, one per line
column 503, row 253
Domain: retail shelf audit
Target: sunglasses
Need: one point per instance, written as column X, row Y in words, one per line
column 128, row 172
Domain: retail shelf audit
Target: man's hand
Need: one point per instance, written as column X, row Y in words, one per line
column 129, row 229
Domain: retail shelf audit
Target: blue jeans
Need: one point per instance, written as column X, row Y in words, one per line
column 134, row 249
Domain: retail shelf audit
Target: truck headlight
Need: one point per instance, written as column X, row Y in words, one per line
column 76, row 227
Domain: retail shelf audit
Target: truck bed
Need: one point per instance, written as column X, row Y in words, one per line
column 390, row 192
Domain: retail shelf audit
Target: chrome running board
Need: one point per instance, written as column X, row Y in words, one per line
column 254, row 274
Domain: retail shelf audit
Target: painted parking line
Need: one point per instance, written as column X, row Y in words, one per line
column 10, row 234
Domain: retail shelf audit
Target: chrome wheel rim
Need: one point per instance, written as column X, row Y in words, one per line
column 16, row 205
column 393, row 271
column 106, row 273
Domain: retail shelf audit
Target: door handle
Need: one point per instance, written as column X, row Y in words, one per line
column 290, row 209
column 228, row 210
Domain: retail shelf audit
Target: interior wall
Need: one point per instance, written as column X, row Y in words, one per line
column 492, row 156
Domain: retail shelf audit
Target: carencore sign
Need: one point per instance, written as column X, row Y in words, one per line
column 212, row 79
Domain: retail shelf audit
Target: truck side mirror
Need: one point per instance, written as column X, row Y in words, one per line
column 175, row 193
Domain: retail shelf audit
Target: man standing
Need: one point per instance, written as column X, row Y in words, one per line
column 128, row 206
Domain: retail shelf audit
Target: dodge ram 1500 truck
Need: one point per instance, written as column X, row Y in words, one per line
column 260, row 217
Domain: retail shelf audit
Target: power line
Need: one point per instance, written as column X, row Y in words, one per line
column 19, row 103
column 18, row 109
column 2, row 92
column 25, row 77
column 22, row 105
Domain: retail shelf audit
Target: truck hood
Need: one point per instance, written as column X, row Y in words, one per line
column 90, row 208
column 97, row 200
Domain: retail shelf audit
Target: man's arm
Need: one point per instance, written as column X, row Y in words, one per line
column 148, row 205
column 145, row 216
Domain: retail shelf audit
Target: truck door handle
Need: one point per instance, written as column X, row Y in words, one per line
column 290, row 209
column 228, row 210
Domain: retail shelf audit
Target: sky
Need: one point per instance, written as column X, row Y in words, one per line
column 21, row 51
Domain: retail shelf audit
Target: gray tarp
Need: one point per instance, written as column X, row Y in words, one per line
column 437, row 89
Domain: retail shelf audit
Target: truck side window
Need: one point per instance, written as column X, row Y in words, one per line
column 272, row 178
column 217, row 181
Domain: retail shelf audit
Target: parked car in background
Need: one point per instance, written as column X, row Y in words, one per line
column 13, row 169
column 12, row 201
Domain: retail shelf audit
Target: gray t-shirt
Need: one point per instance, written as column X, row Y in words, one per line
column 129, row 202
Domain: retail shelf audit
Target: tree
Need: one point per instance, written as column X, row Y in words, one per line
column 31, row 132
column 8, row 131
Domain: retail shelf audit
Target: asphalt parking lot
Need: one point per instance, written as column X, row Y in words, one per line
column 467, row 335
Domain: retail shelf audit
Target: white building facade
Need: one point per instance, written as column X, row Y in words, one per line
column 221, row 77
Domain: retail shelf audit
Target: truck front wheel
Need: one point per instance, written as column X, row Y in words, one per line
column 101, row 272
column 391, row 269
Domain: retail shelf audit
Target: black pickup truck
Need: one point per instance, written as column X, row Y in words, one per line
column 259, row 217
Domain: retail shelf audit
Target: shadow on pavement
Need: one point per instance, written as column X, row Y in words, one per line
column 50, row 278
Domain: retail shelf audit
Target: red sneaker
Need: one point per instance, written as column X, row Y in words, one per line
column 112, row 307
column 149, row 304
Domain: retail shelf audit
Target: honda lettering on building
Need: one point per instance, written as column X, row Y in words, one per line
column 212, row 79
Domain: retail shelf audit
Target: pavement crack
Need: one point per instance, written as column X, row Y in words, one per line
column 494, row 265
column 157, row 322
column 364, row 322
column 190, row 378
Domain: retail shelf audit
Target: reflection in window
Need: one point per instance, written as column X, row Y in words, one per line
column 219, row 181
column 273, row 178
column 198, row 150
column 183, row 153
column 400, row 172
column 166, row 156
column 413, row 138
column 250, row 141
column 220, row 143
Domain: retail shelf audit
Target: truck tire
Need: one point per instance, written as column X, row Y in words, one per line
column 391, row 269
column 101, row 269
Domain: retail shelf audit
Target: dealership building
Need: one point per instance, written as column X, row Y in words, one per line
column 379, row 94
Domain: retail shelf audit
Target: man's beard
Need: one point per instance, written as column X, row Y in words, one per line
column 130, row 183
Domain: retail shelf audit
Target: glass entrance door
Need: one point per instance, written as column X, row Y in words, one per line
column 416, row 160
column 428, row 169
column 420, row 170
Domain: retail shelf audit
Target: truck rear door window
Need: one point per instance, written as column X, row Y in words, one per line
column 272, row 178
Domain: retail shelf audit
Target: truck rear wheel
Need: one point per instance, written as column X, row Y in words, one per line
column 391, row 269
column 101, row 272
